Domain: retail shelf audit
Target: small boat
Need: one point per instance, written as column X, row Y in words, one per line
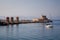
column 49, row 25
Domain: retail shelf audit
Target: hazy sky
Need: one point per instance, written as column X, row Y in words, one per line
column 34, row 8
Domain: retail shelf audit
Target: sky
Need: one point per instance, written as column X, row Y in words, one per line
column 30, row 8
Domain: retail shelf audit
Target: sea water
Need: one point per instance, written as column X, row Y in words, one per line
column 31, row 31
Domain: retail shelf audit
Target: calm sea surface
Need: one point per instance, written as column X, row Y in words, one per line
column 33, row 31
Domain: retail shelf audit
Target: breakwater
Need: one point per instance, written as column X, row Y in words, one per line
column 10, row 20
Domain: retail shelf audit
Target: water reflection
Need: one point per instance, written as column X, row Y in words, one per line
column 12, row 31
column 17, row 31
column 7, row 32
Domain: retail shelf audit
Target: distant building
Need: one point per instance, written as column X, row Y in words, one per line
column 44, row 17
column 35, row 20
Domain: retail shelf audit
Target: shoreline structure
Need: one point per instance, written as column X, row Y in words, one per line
column 10, row 20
